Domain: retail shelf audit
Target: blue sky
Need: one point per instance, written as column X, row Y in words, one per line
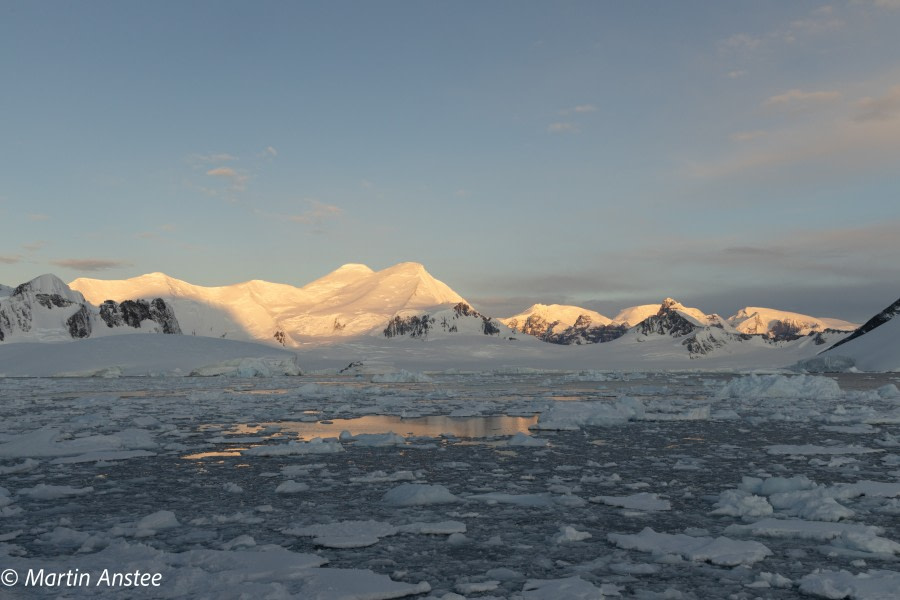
column 600, row 153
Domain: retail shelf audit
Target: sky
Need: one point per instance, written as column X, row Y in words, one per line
column 603, row 154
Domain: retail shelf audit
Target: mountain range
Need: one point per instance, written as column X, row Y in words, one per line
column 400, row 301
column 47, row 310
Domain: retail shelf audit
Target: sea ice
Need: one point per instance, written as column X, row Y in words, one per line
column 718, row 551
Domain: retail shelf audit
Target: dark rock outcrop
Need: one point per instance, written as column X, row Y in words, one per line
column 133, row 312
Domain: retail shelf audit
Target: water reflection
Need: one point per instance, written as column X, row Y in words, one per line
column 430, row 426
column 202, row 455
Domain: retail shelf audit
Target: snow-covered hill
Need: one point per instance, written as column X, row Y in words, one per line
column 780, row 324
column 540, row 319
column 46, row 310
column 353, row 300
column 875, row 346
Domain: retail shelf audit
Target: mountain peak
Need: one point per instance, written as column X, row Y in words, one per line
column 49, row 284
column 353, row 267
column 670, row 303
column 407, row 267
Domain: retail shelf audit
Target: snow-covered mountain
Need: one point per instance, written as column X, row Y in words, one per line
column 875, row 346
column 781, row 325
column 675, row 329
column 46, row 309
column 540, row 320
column 461, row 318
column 353, row 300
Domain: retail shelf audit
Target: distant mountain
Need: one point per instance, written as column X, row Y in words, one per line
column 540, row 320
column 46, row 309
column 461, row 318
column 783, row 325
column 875, row 346
column 352, row 300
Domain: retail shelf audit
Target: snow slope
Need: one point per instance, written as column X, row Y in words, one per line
column 353, row 300
column 633, row 315
column 769, row 322
column 140, row 355
column 875, row 346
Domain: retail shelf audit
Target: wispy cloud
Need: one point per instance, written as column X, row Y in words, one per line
column 10, row 259
column 562, row 127
column 237, row 179
column 741, row 43
column 34, row 246
column 38, row 217
column 270, row 151
column 882, row 108
column 212, row 158
column 579, row 109
column 797, row 100
column 165, row 228
column 317, row 213
column 89, row 264
column 849, row 137
column 820, row 21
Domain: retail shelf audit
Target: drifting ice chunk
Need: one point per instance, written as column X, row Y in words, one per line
column 530, row 500
column 874, row 585
column 355, row 584
column 381, row 477
column 345, row 534
column 49, row 442
column 809, row 449
column 439, row 528
column 314, row 446
column 642, row 501
column 152, row 523
column 42, row 491
column 779, row 386
column 291, row 487
column 417, row 494
column 797, row 528
column 739, row 503
column 718, row 551
column 525, row 440
column 378, row 440
column 571, row 416
column 570, row 588
column 570, row 534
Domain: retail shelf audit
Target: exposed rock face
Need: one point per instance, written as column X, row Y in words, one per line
column 582, row 332
column 667, row 321
column 133, row 312
column 785, row 330
column 79, row 324
column 415, row 326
